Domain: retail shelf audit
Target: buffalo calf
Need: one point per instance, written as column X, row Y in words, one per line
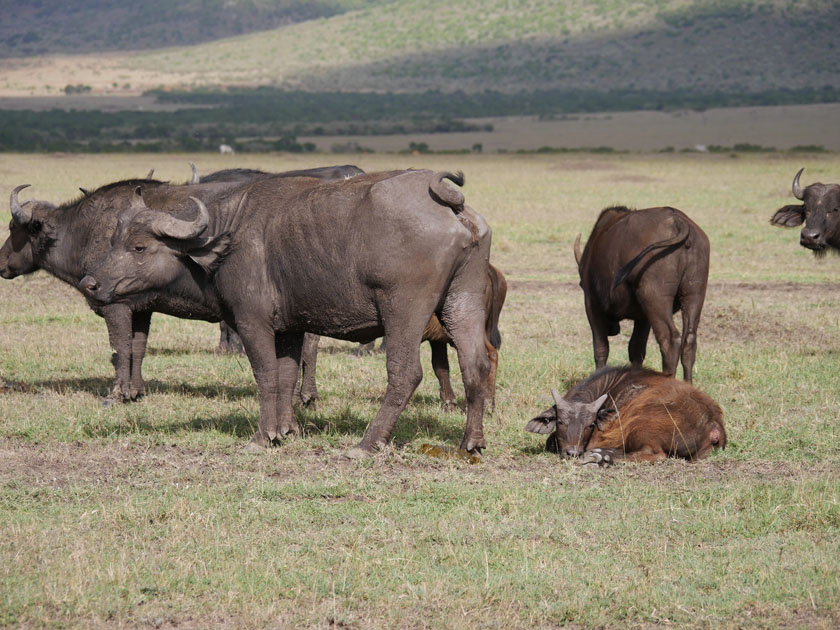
column 631, row 413
column 645, row 265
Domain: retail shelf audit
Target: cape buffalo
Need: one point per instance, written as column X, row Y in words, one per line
column 631, row 413
column 820, row 212
column 354, row 259
column 645, row 265
column 68, row 240
column 229, row 341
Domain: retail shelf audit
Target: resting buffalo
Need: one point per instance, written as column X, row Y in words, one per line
column 645, row 265
column 820, row 212
column 68, row 240
column 631, row 413
column 353, row 259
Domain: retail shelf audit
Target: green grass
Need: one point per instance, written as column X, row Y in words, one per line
column 151, row 514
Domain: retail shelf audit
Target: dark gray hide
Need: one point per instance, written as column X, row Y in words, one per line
column 820, row 212
column 372, row 255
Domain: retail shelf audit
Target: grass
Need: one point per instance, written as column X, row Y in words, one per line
column 151, row 514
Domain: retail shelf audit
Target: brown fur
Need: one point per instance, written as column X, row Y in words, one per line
column 666, row 418
column 647, row 416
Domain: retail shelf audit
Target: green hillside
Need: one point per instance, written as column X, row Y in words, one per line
column 719, row 45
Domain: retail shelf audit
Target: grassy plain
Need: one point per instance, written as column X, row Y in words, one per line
column 151, row 514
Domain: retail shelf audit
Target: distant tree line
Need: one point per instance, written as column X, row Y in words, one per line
column 266, row 119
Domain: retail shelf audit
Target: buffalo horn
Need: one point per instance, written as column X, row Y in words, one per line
column 558, row 400
column 577, row 249
column 21, row 215
column 797, row 188
column 167, row 225
column 195, row 179
column 150, row 174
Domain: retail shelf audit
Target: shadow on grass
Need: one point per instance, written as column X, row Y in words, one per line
column 410, row 424
column 101, row 387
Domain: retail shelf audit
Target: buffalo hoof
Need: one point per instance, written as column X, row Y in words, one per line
column 357, row 453
column 597, row 457
column 473, row 445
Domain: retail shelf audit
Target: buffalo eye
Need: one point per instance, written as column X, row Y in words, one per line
column 139, row 249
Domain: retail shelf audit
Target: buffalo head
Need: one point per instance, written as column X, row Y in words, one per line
column 570, row 424
column 31, row 231
column 820, row 212
column 151, row 249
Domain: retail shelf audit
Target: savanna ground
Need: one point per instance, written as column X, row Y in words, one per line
column 151, row 514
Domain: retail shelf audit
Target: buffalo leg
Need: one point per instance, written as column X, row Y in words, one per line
column 259, row 342
column 229, row 341
column 600, row 338
column 402, row 359
column 660, row 315
column 637, row 348
column 309, row 356
column 463, row 319
column 493, row 356
column 140, row 323
column 691, row 308
column 288, row 350
column 440, row 364
column 118, row 320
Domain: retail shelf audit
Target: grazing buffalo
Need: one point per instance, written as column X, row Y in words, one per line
column 645, row 265
column 820, row 213
column 631, row 413
column 354, row 259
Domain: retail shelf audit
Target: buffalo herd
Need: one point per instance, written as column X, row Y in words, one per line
column 282, row 258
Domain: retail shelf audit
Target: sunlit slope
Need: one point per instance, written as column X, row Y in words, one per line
column 474, row 45
column 404, row 45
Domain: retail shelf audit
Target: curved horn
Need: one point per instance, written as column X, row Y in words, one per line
column 150, row 174
column 558, row 400
column 577, row 249
column 167, row 225
column 20, row 215
column 195, row 179
column 797, row 188
column 85, row 191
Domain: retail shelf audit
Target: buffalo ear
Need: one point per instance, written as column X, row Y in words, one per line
column 544, row 423
column 209, row 252
column 789, row 216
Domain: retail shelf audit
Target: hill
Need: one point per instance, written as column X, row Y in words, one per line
column 403, row 46
column 42, row 27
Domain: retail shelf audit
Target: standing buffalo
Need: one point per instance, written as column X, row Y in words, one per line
column 354, row 259
column 68, row 240
column 820, row 212
column 631, row 413
column 645, row 265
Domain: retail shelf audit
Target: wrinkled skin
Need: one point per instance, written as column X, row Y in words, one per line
column 631, row 413
column 645, row 265
column 355, row 259
column 820, row 212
